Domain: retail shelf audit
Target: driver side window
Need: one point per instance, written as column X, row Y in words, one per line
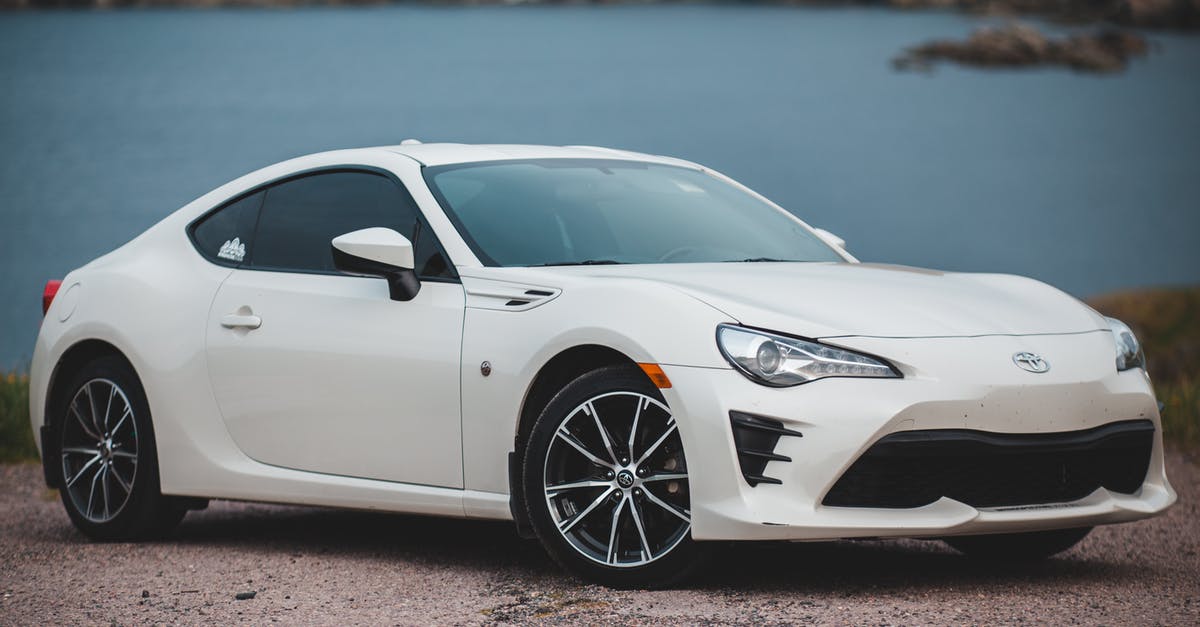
column 300, row 216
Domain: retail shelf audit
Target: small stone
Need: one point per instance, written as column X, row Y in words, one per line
column 242, row 596
column 145, row 594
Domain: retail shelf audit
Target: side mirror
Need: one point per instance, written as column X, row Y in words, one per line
column 378, row 252
column 831, row 239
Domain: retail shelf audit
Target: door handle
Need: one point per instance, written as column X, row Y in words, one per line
column 241, row 321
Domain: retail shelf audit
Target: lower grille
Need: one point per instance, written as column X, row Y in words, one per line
column 985, row 469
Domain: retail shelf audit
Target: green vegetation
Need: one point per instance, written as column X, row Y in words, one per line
column 16, row 437
column 1167, row 321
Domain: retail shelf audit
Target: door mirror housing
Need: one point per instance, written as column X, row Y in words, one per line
column 378, row 252
column 831, row 239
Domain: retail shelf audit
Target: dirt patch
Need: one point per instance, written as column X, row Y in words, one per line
column 313, row 566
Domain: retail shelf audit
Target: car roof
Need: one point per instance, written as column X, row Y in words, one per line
column 447, row 153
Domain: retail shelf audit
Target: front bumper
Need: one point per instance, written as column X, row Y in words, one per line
column 949, row 383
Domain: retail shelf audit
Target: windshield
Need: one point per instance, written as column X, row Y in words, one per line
column 583, row 211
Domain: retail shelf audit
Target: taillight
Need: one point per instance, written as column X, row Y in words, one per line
column 48, row 294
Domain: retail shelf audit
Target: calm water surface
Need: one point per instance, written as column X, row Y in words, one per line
column 111, row 120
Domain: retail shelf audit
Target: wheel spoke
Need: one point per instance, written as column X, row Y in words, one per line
column 79, row 474
column 612, row 533
column 127, row 486
column 637, row 414
column 641, row 529
column 555, row 490
column 83, row 423
column 104, row 489
column 685, row 516
column 92, row 407
column 112, row 391
column 79, row 450
column 654, row 447
column 125, row 454
column 126, row 414
column 567, row 524
column 570, row 439
column 665, row 477
column 92, row 494
column 591, row 410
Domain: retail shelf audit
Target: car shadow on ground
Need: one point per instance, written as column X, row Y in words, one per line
column 844, row 567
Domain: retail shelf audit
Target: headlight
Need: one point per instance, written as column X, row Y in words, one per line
column 780, row 361
column 1129, row 350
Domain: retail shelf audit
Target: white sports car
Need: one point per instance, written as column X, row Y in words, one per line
column 629, row 356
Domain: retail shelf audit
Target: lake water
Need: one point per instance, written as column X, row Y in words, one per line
column 111, row 120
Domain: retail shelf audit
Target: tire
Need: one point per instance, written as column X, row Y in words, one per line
column 1018, row 547
column 608, row 507
column 108, row 463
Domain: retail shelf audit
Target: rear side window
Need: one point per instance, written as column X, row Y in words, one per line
column 226, row 235
column 299, row 218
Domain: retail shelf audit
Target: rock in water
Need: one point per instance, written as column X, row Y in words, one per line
column 1021, row 45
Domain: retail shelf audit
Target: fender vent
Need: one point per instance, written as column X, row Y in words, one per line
column 755, row 438
column 503, row 296
column 536, row 294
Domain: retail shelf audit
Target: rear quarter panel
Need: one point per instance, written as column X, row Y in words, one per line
column 149, row 299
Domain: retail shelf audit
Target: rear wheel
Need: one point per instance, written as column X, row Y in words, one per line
column 1014, row 547
column 606, row 482
column 108, row 464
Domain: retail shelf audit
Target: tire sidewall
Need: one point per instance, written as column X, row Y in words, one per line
column 668, row 569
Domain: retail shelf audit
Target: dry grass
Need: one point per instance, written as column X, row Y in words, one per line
column 16, row 437
column 1181, row 416
column 1167, row 321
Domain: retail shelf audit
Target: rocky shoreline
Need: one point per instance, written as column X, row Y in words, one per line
column 1011, row 46
column 1158, row 14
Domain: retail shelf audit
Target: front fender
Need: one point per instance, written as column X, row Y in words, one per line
column 640, row 319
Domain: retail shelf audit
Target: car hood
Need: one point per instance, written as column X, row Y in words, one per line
column 854, row 299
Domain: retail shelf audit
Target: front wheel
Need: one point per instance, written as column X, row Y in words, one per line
column 606, row 482
column 1013, row 547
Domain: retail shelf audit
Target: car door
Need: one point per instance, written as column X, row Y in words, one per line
column 318, row 371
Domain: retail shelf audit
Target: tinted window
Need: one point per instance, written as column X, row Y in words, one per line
column 569, row 211
column 225, row 236
column 301, row 216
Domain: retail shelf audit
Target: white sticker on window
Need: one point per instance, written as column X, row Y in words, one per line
column 234, row 250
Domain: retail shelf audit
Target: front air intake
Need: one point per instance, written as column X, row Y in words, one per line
column 755, row 438
column 986, row 469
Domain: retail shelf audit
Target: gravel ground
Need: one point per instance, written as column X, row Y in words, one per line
column 312, row 566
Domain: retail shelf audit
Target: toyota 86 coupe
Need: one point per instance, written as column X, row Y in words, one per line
column 631, row 357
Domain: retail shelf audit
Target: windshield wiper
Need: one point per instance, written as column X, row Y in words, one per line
column 756, row 260
column 585, row 262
